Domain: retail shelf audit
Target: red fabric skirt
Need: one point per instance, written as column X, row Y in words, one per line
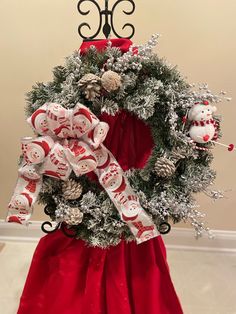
column 68, row 277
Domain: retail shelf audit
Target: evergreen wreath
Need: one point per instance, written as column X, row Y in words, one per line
column 140, row 84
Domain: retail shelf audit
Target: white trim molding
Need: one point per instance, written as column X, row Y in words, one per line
column 184, row 239
column 178, row 238
column 20, row 233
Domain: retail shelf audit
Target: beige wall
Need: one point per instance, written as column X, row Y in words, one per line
column 199, row 36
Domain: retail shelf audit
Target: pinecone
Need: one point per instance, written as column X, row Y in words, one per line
column 111, row 81
column 71, row 189
column 177, row 155
column 91, row 85
column 73, row 216
column 164, row 167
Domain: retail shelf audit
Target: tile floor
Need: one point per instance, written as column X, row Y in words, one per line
column 205, row 282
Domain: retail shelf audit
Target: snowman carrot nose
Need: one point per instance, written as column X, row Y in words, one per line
column 230, row 147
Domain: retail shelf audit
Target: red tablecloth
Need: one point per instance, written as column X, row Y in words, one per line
column 68, row 277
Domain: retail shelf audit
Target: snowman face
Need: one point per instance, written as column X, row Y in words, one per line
column 35, row 154
column 101, row 156
column 64, row 132
column 56, row 108
column 30, row 172
column 113, row 178
column 112, row 184
column 82, row 123
column 132, row 208
column 42, row 125
column 202, row 112
column 86, row 166
column 58, row 111
column 19, row 202
column 112, row 181
column 100, row 133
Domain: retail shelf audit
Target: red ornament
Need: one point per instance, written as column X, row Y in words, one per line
column 231, row 147
column 205, row 102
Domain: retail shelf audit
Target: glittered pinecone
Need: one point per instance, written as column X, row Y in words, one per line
column 71, row 189
column 177, row 155
column 73, row 216
column 111, row 81
column 91, row 85
column 164, row 167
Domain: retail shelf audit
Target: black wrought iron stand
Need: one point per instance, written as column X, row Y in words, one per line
column 106, row 25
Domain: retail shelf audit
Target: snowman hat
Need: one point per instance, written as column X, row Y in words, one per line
column 88, row 157
column 44, row 146
column 52, row 173
column 28, row 197
column 122, row 186
column 58, row 130
column 35, row 115
column 204, row 102
column 84, row 112
column 91, row 135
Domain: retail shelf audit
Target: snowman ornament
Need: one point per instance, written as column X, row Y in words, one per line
column 203, row 126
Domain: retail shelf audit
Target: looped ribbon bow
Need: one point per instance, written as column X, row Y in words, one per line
column 72, row 140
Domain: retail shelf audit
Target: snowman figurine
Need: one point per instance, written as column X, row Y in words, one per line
column 203, row 126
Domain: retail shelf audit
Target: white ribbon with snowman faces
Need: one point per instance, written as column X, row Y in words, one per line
column 71, row 140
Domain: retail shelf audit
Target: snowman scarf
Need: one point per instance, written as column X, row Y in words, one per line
column 203, row 123
column 71, row 140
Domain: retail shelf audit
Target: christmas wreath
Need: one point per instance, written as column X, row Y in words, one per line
column 156, row 132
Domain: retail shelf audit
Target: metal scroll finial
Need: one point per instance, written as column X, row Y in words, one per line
column 69, row 232
column 108, row 25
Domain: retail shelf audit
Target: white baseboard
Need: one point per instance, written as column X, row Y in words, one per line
column 183, row 239
column 178, row 238
column 16, row 232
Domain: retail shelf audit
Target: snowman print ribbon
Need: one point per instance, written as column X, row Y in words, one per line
column 71, row 140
